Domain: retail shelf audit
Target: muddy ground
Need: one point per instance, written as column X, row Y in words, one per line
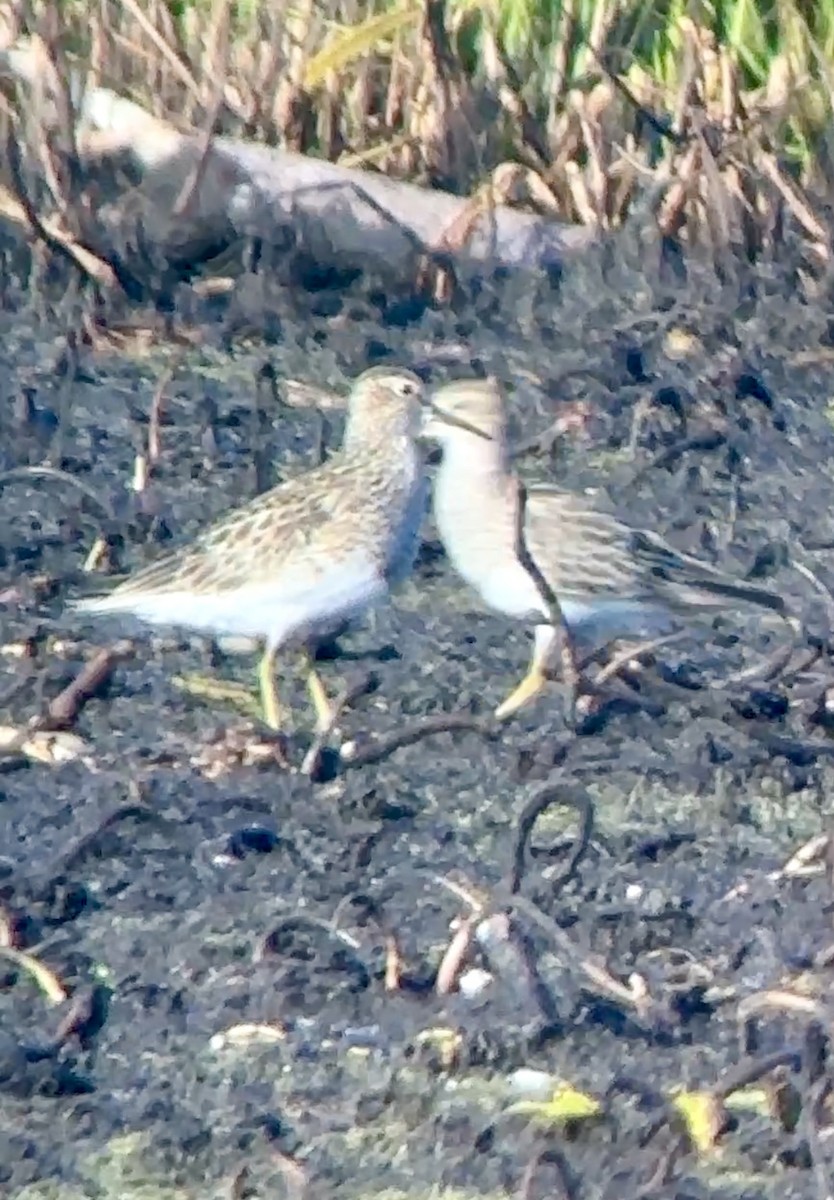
column 251, row 955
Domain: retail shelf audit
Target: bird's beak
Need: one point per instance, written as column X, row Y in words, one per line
column 437, row 423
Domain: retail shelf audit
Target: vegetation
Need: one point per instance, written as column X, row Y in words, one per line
column 714, row 118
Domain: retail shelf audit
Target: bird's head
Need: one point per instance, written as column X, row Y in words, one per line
column 469, row 412
column 385, row 402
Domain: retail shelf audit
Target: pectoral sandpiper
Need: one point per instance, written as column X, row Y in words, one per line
column 297, row 561
column 610, row 580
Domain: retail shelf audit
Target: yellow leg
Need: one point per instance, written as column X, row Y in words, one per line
column 272, row 712
column 530, row 686
column 321, row 703
column 546, row 639
column 239, row 695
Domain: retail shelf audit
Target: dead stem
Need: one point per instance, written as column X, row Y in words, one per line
column 64, row 710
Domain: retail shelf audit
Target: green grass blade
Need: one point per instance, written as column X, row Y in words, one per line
column 355, row 41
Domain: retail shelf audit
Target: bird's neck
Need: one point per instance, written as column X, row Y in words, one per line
column 482, row 466
column 473, row 483
column 361, row 439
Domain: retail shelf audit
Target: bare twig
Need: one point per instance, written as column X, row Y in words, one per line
column 569, row 664
column 355, row 755
column 454, row 958
column 349, row 694
column 552, row 794
column 36, row 472
column 63, row 711
column 634, row 997
column 193, row 180
column 155, row 414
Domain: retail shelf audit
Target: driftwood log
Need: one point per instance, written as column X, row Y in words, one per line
column 191, row 196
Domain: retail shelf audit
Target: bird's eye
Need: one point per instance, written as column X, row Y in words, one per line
column 407, row 388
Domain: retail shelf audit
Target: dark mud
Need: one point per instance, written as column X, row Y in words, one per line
column 223, row 924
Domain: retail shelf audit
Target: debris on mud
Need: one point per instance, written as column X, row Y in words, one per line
column 445, row 958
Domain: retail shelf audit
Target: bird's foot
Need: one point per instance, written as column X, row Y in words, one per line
column 532, row 683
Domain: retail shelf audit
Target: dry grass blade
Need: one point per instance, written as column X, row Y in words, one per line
column 731, row 105
column 671, row 211
column 47, row 980
column 690, row 77
column 597, row 176
column 532, row 144
column 52, row 111
column 448, row 139
column 715, row 198
column 215, row 40
column 797, row 204
column 605, row 15
column 583, row 205
column 57, row 239
column 172, row 58
column 194, row 179
column 559, row 71
column 378, row 154
column 53, row 93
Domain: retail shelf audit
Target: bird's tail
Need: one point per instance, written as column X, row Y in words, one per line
column 694, row 583
column 112, row 603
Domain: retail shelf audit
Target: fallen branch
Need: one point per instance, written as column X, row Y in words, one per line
column 344, row 217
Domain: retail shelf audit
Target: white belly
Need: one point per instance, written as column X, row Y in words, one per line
column 510, row 590
column 276, row 612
